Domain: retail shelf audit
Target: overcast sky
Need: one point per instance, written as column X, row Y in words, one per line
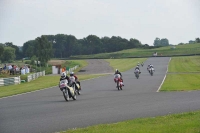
column 24, row 20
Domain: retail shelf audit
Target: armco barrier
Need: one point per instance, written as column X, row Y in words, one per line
column 72, row 69
column 10, row 81
column 35, row 75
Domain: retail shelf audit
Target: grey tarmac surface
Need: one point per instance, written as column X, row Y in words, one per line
column 100, row 102
column 96, row 66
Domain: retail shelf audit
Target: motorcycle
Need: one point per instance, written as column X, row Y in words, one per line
column 118, row 80
column 137, row 72
column 68, row 92
column 74, row 84
column 151, row 70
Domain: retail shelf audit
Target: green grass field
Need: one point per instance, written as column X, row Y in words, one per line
column 185, row 49
column 124, row 64
column 183, row 75
column 173, row 123
column 185, row 64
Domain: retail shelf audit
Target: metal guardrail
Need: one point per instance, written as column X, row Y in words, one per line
column 10, row 81
column 35, row 76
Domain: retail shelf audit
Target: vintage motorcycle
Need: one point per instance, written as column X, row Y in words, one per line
column 68, row 92
column 151, row 71
column 74, row 84
column 137, row 73
column 118, row 80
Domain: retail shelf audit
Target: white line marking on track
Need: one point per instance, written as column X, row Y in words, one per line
column 164, row 77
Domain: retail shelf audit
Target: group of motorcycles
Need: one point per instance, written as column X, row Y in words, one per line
column 137, row 72
column 71, row 89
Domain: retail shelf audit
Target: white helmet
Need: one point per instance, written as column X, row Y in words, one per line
column 63, row 75
column 71, row 73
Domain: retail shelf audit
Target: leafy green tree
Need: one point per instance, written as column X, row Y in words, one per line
column 197, row 40
column 17, row 51
column 164, row 42
column 30, row 48
column 8, row 54
column 44, row 50
column 1, row 50
column 157, row 42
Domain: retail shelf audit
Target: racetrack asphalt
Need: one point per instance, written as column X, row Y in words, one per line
column 96, row 66
column 46, row 111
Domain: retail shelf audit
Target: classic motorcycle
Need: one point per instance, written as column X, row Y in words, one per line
column 137, row 73
column 68, row 92
column 74, row 84
column 151, row 70
column 118, row 80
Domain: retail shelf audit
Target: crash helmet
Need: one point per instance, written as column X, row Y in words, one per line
column 116, row 71
column 71, row 73
column 63, row 75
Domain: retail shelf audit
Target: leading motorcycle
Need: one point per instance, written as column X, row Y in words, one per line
column 68, row 92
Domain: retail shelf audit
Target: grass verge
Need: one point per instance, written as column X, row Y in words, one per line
column 184, row 74
column 38, row 84
column 124, row 64
column 181, row 82
column 173, row 123
column 185, row 64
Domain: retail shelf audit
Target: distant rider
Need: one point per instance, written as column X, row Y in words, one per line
column 76, row 78
column 137, row 68
column 148, row 67
column 151, row 66
column 142, row 64
column 118, row 72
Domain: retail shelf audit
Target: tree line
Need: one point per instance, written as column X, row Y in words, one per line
column 63, row 46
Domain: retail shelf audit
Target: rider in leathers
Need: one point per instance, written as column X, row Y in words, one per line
column 118, row 72
column 76, row 79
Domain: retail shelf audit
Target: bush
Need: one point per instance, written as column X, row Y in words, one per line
column 28, row 62
column 24, row 77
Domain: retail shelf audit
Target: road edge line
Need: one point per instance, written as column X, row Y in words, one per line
column 164, row 76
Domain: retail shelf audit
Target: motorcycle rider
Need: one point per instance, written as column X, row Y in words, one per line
column 142, row 64
column 151, row 66
column 137, row 68
column 76, row 79
column 64, row 76
column 118, row 72
column 148, row 67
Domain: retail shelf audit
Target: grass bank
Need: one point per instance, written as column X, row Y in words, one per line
column 183, row 74
column 124, row 64
column 173, row 123
column 186, row 49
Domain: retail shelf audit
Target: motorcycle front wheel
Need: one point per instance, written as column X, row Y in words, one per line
column 66, row 95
